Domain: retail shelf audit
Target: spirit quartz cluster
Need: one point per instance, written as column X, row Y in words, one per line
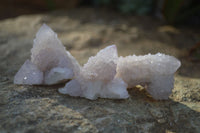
column 105, row 75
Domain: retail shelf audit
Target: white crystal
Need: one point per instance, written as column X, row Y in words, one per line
column 28, row 74
column 104, row 75
column 156, row 71
column 115, row 89
column 57, row 75
column 97, row 78
column 73, row 88
column 51, row 58
column 103, row 65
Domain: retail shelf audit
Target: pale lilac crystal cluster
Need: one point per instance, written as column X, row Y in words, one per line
column 105, row 75
column 97, row 78
column 50, row 63
column 154, row 71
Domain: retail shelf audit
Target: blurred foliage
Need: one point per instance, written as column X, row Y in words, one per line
column 50, row 4
column 173, row 11
column 176, row 11
column 140, row 7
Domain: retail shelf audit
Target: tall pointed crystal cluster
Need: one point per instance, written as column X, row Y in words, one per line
column 97, row 78
column 50, row 62
column 105, row 75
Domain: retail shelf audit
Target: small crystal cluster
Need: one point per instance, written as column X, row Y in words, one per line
column 155, row 71
column 50, row 63
column 97, row 78
column 105, row 75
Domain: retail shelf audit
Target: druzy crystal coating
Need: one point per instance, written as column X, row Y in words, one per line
column 105, row 75
column 50, row 62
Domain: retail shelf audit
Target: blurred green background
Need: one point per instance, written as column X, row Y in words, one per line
column 174, row 12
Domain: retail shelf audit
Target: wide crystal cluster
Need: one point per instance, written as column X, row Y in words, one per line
column 97, row 78
column 50, row 63
column 154, row 71
column 105, row 75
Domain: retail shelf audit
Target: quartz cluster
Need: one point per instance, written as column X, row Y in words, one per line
column 105, row 75
column 154, row 71
column 97, row 78
column 50, row 63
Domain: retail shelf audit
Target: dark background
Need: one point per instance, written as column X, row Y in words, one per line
column 175, row 12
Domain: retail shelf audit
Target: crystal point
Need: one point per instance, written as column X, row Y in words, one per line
column 28, row 74
column 105, row 75
column 50, row 57
column 97, row 78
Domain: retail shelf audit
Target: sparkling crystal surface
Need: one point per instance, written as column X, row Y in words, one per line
column 97, row 78
column 155, row 71
column 105, row 75
column 28, row 74
column 51, row 58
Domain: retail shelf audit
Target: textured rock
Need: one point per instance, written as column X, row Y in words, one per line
column 42, row 109
column 59, row 118
column 50, row 62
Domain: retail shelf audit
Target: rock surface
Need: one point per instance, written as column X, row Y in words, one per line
column 84, row 32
